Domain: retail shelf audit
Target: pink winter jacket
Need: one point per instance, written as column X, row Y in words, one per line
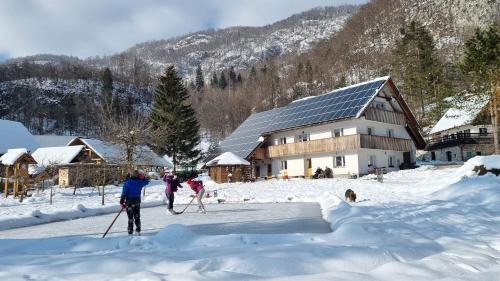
column 196, row 186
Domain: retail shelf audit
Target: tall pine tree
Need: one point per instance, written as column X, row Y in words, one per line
column 107, row 90
column 200, row 81
column 222, row 81
column 416, row 63
column 174, row 126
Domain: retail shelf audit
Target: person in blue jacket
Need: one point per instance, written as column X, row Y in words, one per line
column 131, row 200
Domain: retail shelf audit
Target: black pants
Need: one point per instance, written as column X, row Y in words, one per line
column 170, row 197
column 134, row 214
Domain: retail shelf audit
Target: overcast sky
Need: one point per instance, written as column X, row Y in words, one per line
column 97, row 27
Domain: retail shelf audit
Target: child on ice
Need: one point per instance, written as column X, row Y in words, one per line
column 199, row 189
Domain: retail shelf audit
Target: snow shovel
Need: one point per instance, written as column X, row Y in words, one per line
column 121, row 210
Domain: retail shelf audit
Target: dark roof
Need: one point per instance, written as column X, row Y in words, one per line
column 347, row 102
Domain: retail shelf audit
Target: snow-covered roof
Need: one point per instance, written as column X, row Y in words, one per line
column 227, row 158
column 12, row 155
column 169, row 161
column 15, row 135
column 61, row 155
column 115, row 153
column 53, row 140
column 456, row 117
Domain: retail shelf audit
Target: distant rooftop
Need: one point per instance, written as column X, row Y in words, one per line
column 53, row 140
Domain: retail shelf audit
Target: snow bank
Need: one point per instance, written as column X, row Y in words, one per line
column 422, row 224
column 489, row 162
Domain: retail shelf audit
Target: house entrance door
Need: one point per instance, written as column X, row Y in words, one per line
column 257, row 171
column 269, row 170
column 448, row 156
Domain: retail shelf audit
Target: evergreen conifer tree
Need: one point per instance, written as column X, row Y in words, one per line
column 232, row 75
column 173, row 121
column 215, row 81
column 222, row 81
column 416, row 62
column 107, row 90
column 200, row 81
column 253, row 72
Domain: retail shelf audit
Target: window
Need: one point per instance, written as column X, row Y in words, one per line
column 304, row 137
column 379, row 105
column 284, row 165
column 390, row 133
column 338, row 132
column 483, row 131
column 339, row 161
column 391, row 161
column 478, row 153
column 467, row 133
column 282, row 140
column 370, row 130
column 372, row 161
column 468, row 154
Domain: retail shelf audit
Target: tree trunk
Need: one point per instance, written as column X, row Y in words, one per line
column 494, row 117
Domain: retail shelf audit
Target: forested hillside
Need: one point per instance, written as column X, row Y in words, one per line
column 419, row 43
column 234, row 72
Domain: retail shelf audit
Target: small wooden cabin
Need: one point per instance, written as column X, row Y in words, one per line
column 228, row 163
column 15, row 167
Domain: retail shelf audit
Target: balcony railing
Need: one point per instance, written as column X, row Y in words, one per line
column 349, row 142
column 459, row 139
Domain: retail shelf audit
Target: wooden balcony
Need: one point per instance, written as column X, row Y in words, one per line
column 385, row 143
column 260, row 154
column 337, row 144
column 385, row 116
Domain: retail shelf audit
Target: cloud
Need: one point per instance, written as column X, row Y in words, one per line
column 95, row 27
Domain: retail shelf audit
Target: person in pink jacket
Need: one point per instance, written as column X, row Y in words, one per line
column 199, row 189
column 171, row 183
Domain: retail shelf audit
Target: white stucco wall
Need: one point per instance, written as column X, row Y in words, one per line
column 381, row 159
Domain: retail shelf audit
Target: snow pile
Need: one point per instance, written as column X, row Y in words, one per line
column 489, row 162
column 12, row 155
column 422, row 224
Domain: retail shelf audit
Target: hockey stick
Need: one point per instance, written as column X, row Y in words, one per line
column 187, row 206
column 121, row 210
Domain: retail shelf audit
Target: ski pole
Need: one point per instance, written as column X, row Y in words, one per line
column 188, row 205
column 121, row 210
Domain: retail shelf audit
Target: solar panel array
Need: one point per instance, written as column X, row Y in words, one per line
column 339, row 104
column 246, row 137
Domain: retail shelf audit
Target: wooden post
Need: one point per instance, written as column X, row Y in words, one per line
column 6, row 181
column 103, row 184
column 16, row 180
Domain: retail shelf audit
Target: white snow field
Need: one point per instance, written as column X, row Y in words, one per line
column 422, row 224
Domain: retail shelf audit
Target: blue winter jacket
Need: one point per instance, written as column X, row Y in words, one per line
column 132, row 189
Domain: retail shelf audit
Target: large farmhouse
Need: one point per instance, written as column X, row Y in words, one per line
column 352, row 130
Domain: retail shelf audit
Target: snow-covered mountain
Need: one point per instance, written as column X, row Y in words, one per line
column 242, row 47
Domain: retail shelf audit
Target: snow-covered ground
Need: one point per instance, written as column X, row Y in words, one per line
column 422, row 224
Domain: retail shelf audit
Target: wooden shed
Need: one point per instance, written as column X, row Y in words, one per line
column 15, row 168
column 221, row 167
